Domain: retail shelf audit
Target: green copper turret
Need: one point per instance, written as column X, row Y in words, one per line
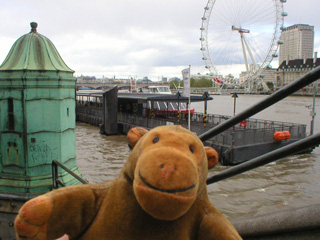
column 37, row 117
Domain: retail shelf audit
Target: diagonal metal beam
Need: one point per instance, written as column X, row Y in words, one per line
column 264, row 159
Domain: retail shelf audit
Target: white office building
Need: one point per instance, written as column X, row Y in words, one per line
column 298, row 43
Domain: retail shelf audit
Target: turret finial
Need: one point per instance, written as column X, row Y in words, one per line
column 34, row 26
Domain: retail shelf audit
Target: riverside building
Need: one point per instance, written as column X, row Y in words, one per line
column 296, row 57
column 298, row 42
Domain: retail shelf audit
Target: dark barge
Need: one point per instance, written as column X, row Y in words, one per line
column 117, row 112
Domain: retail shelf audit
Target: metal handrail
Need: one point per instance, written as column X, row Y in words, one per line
column 55, row 175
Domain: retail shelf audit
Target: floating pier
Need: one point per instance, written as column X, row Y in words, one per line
column 243, row 141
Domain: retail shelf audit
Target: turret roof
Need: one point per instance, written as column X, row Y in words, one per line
column 34, row 51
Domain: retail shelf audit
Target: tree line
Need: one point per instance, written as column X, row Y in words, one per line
column 196, row 83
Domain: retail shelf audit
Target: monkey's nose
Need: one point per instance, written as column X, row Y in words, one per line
column 167, row 171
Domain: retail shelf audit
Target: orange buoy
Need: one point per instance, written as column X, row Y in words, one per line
column 287, row 134
column 278, row 136
column 281, row 135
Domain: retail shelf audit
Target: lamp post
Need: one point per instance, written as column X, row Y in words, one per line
column 313, row 113
column 205, row 96
column 234, row 96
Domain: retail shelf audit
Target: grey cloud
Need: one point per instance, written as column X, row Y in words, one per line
column 140, row 37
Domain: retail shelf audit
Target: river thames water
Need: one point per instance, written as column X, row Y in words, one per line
column 288, row 183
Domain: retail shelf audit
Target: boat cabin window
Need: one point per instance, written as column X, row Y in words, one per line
column 164, row 89
column 160, row 90
column 153, row 90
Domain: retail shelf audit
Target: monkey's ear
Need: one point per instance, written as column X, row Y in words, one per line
column 134, row 135
column 212, row 156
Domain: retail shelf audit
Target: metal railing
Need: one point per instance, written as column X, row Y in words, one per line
column 254, row 131
column 55, row 174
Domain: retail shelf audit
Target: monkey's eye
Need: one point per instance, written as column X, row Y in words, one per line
column 156, row 139
column 191, row 148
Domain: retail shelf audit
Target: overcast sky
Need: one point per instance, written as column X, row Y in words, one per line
column 126, row 38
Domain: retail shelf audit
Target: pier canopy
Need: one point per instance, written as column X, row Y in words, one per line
column 158, row 102
column 34, row 51
column 164, row 97
column 159, row 105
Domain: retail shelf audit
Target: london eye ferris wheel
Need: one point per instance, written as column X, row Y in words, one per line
column 241, row 37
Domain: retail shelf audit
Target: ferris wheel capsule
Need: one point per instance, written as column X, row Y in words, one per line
column 283, row 28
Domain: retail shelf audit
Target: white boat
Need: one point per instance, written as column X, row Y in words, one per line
column 159, row 89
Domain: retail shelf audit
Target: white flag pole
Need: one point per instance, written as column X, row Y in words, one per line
column 189, row 115
column 186, row 90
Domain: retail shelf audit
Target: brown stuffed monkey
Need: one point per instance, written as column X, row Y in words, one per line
column 160, row 193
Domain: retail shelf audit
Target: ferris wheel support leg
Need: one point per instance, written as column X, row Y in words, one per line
column 250, row 54
column 244, row 51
